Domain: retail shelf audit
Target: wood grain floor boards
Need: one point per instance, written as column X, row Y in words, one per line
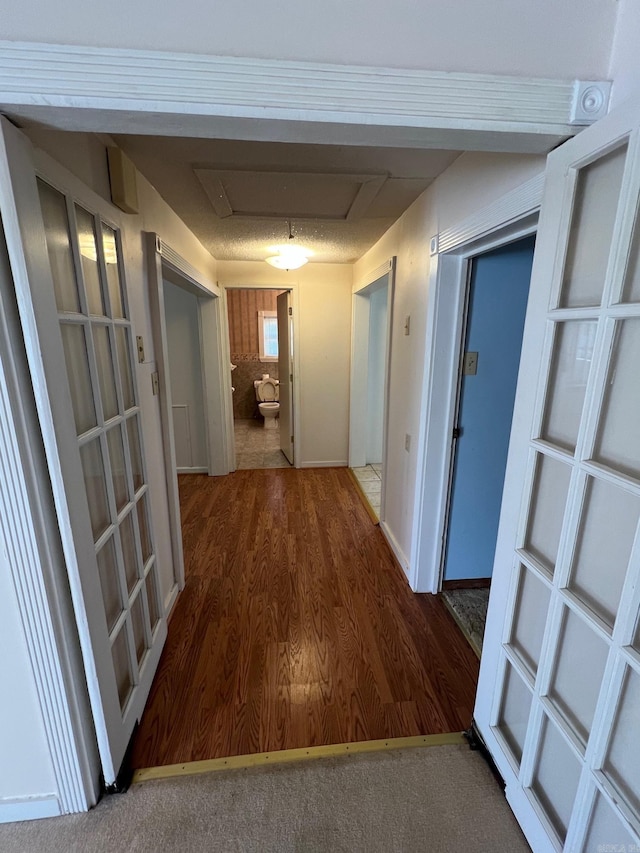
column 296, row 628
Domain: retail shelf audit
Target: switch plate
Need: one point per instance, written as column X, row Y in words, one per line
column 407, row 442
column 470, row 367
column 140, row 348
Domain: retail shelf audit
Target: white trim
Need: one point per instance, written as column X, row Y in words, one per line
column 395, row 547
column 28, row 531
column 201, row 284
column 197, row 469
column 522, row 200
column 508, row 218
column 77, row 87
column 29, row 808
column 110, row 78
column 162, row 259
column 334, row 463
column 170, row 599
column 368, row 278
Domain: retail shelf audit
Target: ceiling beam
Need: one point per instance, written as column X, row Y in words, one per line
column 131, row 91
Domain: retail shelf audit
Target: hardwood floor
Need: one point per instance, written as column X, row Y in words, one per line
column 296, row 627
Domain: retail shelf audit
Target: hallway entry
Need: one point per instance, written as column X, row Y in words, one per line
column 497, row 302
column 296, row 628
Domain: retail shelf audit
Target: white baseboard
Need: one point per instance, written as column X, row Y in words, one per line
column 336, row 463
column 393, row 544
column 29, row 808
column 170, row 600
column 198, row 470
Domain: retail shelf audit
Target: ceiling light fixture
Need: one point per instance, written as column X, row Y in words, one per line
column 289, row 256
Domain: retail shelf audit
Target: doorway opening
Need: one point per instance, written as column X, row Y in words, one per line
column 371, row 349
column 261, row 350
column 495, row 308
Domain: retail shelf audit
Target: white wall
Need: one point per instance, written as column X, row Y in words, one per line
column 471, row 183
column 543, row 38
column 376, row 371
column 25, row 766
column 624, row 68
column 84, row 156
column 323, row 292
column 185, row 367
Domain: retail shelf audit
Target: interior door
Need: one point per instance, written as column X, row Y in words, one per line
column 559, row 693
column 285, row 372
column 71, row 286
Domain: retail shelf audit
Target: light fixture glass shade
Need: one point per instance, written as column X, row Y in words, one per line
column 288, row 258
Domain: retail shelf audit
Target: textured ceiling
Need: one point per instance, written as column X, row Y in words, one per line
column 237, row 196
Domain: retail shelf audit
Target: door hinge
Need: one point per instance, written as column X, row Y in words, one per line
column 290, row 311
column 291, row 439
column 457, row 432
column 291, row 377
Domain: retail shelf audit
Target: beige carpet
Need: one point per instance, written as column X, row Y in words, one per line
column 433, row 799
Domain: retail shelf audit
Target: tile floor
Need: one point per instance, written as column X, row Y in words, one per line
column 370, row 479
column 469, row 609
column 257, row 447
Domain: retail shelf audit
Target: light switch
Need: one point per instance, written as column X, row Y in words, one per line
column 470, row 367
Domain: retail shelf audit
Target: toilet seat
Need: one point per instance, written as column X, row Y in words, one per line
column 267, row 390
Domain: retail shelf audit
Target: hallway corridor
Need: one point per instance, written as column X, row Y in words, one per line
column 296, row 628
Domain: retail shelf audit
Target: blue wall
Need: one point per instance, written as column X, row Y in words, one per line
column 497, row 305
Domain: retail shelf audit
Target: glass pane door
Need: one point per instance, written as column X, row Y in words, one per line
column 87, row 268
column 565, row 706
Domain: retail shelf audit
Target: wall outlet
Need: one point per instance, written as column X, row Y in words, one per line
column 407, row 442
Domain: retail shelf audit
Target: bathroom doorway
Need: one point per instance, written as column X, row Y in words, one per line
column 371, row 351
column 260, row 345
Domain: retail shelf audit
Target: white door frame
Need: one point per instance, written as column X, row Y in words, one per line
column 360, row 316
column 164, row 262
column 511, row 217
column 292, row 287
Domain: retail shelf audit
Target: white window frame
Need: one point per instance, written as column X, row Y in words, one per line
column 262, row 316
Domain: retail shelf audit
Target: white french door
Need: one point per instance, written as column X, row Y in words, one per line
column 558, row 700
column 74, row 309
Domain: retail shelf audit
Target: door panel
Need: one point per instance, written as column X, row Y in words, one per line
column 559, row 692
column 285, row 372
column 73, row 305
column 498, row 293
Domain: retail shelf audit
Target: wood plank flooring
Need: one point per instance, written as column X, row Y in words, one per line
column 296, row 628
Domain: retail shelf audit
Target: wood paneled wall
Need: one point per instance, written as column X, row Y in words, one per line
column 243, row 306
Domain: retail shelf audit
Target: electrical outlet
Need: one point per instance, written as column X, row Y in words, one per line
column 407, row 442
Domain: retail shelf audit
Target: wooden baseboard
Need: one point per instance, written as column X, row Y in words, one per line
column 467, row 583
column 283, row 756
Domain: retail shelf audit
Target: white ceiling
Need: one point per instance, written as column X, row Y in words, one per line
column 237, row 196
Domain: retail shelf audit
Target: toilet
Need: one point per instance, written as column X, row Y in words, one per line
column 267, row 395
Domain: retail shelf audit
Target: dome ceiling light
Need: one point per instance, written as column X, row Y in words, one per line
column 289, row 256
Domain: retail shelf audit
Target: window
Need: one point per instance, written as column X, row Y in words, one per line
column 268, row 335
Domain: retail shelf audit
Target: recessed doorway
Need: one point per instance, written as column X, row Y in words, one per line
column 260, row 336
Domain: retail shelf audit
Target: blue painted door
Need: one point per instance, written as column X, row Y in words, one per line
column 499, row 288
